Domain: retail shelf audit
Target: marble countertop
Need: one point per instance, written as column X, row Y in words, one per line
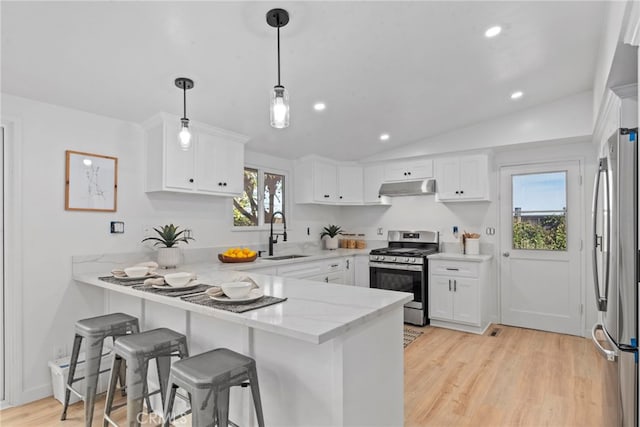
column 313, row 255
column 450, row 256
column 314, row 311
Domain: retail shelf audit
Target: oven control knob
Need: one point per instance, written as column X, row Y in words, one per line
column 394, row 259
column 408, row 260
column 380, row 258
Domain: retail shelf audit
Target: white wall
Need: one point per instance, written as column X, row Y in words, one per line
column 52, row 302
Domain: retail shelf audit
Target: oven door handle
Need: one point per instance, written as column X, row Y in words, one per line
column 389, row 266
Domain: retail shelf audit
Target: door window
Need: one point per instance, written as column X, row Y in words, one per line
column 539, row 211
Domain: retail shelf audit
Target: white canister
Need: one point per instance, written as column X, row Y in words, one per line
column 471, row 246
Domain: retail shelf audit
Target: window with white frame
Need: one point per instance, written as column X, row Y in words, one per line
column 264, row 194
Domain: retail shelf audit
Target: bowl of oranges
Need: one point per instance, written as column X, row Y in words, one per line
column 238, row 255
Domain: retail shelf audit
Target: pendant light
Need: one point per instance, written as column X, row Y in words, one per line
column 279, row 97
column 184, row 136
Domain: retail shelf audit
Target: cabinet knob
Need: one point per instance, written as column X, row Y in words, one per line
column 224, row 184
column 326, row 196
column 341, row 197
column 408, row 173
column 405, row 174
column 220, row 184
column 461, row 192
column 457, row 192
column 191, row 180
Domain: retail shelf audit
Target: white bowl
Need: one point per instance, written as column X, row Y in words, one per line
column 137, row 271
column 236, row 290
column 178, row 279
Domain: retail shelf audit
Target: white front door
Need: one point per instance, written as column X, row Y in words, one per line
column 541, row 224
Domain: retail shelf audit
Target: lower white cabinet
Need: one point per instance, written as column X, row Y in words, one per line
column 333, row 270
column 460, row 294
column 362, row 271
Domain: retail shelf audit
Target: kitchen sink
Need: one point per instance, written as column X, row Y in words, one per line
column 281, row 257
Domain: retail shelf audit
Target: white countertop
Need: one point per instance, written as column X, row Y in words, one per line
column 314, row 311
column 309, row 256
column 450, row 256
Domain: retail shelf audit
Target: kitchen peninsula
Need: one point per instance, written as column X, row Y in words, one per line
column 328, row 355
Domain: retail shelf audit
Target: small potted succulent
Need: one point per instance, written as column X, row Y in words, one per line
column 331, row 233
column 168, row 252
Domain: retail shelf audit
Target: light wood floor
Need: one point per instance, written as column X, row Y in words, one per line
column 521, row 377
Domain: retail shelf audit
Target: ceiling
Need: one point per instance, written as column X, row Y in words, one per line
column 411, row 69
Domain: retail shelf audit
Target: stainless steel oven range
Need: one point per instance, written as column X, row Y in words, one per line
column 402, row 266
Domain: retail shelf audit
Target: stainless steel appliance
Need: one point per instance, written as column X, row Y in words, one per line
column 402, row 266
column 615, row 275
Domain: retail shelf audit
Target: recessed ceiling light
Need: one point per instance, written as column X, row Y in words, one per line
column 493, row 31
column 384, row 137
column 319, row 106
column 516, row 95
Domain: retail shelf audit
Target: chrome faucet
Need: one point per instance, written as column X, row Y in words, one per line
column 271, row 233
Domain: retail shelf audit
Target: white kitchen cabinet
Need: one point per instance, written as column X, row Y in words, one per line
column 333, row 270
column 214, row 165
column 362, row 271
column 408, row 170
column 323, row 181
column 373, row 179
column 464, row 178
column 459, row 296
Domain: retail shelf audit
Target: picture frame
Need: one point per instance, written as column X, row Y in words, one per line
column 91, row 182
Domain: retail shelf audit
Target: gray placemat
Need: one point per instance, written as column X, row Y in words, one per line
column 171, row 292
column 235, row 308
column 116, row 281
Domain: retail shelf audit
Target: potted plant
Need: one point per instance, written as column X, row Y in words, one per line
column 168, row 252
column 331, row 232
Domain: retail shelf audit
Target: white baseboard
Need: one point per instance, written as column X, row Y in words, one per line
column 4, row 405
column 34, row 393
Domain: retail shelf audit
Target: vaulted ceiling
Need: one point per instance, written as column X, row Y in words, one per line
column 410, row 69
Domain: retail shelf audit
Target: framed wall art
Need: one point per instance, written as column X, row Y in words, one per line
column 91, row 182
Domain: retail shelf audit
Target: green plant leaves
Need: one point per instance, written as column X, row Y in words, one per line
column 331, row 231
column 169, row 236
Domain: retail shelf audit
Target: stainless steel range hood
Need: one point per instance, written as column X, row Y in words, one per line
column 408, row 188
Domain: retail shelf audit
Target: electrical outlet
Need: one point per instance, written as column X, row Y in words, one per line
column 379, row 231
column 117, row 227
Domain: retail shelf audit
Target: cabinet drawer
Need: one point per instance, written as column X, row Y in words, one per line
column 301, row 270
column 454, row 268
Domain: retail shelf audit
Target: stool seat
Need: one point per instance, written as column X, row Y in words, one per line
column 107, row 325
column 208, row 369
column 94, row 330
column 136, row 351
column 207, row 377
column 151, row 342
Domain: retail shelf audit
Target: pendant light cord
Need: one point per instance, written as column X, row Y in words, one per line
column 184, row 100
column 278, row 26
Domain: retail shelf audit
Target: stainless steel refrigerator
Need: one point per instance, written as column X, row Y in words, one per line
column 615, row 271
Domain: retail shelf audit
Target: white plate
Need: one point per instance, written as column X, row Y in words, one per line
column 192, row 284
column 254, row 294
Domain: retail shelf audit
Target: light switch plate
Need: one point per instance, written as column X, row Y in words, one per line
column 117, row 227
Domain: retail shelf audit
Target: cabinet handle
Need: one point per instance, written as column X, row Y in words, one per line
column 457, row 192
column 405, row 174
column 334, row 265
column 326, row 279
column 408, row 173
column 191, row 180
column 220, row 184
column 347, row 264
column 326, row 196
column 224, row 184
column 449, row 285
column 455, row 287
column 461, row 192
column 452, row 269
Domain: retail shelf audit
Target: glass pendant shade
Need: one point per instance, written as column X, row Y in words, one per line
column 279, row 107
column 184, row 137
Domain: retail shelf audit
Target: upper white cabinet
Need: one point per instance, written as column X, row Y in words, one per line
column 214, row 164
column 373, row 179
column 408, row 170
column 319, row 180
column 464, row 178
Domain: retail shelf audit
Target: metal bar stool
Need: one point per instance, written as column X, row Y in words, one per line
column 94, row 330
column 207, row 378
column 136, row 351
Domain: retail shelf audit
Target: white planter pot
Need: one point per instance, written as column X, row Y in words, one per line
column 168, row 257
column 331, row 243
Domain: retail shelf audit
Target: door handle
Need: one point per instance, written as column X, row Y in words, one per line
column 610, row 355
column 506, row 254
column 601, row 300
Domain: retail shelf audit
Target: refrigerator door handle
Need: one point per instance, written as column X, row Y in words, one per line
column 610, row 355
column 601, row 301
